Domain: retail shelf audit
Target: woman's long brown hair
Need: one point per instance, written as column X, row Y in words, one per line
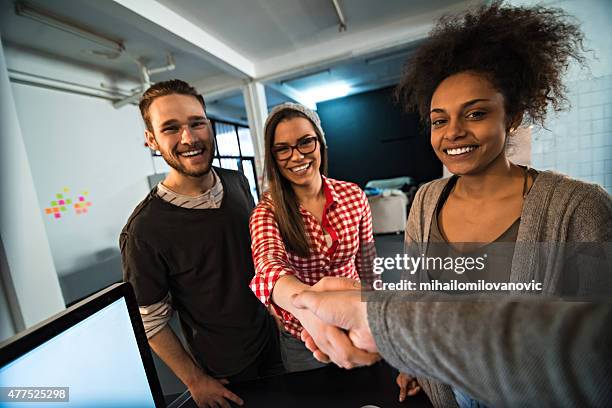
column 286, row 205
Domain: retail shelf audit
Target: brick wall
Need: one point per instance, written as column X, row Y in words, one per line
column 578, row 141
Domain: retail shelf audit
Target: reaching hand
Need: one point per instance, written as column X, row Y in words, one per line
column 408, row 386
column 209, row 392
column 333, row 344
column 344, row 310
column 330, row 283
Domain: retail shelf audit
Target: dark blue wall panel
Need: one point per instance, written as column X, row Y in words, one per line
column 370, row 137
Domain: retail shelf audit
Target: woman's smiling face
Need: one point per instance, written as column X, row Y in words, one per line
column 300, row 169
column 468, row 123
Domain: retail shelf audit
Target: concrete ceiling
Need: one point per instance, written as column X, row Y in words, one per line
column 292, row 46
column 262, row 29
column 142, row 40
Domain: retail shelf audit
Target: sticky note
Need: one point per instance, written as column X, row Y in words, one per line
column 63, row 208
column 54, row 203
column 68, row 201
column 59, row 195
column 66, row 189
column 48, row 210
column 61, row 202
column 55, row 209
column 57, row 215
column 81, row 198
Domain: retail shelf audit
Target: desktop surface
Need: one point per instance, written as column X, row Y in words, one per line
column 324, row 387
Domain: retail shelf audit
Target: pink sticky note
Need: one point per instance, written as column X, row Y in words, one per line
column 57, row 215
column 81, row 198
column 61, row 202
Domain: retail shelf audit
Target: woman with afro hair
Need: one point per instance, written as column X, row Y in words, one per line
column 476, row 79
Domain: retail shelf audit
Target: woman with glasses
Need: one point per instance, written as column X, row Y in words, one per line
column 306, row 230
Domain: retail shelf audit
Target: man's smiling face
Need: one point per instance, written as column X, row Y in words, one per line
column 182, row 134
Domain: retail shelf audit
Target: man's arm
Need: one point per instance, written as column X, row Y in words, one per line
column 502, row 353
column 169, row 348
column 205, row 390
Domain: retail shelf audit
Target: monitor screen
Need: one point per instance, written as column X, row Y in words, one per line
column 97, row 361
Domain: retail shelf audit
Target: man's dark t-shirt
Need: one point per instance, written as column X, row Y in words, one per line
column 203, row 258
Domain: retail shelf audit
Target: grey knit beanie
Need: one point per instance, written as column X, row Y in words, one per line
column 310, row 114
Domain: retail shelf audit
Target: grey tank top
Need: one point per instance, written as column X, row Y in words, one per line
column 497, row 254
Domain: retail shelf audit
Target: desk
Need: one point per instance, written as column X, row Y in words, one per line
column 324, row 387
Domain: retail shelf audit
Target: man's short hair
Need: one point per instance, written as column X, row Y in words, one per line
column 173, row 86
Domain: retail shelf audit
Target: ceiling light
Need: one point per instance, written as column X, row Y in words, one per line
column 61, row 23
column 327, row 92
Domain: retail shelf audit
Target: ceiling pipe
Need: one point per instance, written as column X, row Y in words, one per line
column 170, row 65
column 145, row 74
column 342, row 26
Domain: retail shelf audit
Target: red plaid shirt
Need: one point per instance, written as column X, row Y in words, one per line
column 348, row 221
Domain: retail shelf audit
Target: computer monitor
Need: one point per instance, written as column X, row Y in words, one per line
column 96, row 352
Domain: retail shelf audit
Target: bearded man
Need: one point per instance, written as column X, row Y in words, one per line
column 186, row 248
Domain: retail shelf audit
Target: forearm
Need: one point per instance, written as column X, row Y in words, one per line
column 283, row 291
column 501, row 353
column 169, row 348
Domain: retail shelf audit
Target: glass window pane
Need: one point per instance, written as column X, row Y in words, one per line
column 216, row 163
column 230, row 164
column 227, row 142
column 247, row 165
column 246, row 142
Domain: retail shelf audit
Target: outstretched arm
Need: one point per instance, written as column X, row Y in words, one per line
column 502, row 353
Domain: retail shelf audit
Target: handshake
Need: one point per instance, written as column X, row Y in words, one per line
column 336, row 327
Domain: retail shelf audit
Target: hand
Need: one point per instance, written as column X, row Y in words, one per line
column 209, row 392
column 330, row 283
column 332, row 344
column 408, row 386
column 344, row 310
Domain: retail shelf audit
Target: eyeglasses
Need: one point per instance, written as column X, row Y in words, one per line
column 304, row 146
column 173, row 128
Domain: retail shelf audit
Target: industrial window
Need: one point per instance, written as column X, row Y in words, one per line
column 235, row 151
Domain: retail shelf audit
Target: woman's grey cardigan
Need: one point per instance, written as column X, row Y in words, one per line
column 493, row 357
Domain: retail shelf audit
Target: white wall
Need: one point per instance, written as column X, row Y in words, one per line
column 7, row 326
column 578, row 142
column 84, row 144
column 27, row 261
column 6, row 321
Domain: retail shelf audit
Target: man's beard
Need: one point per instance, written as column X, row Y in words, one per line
column 173, row 160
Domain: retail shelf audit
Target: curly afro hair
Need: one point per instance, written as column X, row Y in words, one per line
column 522, row 51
